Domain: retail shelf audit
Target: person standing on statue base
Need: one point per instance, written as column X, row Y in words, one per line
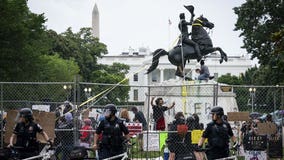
column 158, row 113
column 204, row 71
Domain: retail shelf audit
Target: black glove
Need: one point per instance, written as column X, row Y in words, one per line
column 49, row 142
column 198, row 149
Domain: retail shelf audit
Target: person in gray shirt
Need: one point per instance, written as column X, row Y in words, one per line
column 204, row 71
column 139, row 117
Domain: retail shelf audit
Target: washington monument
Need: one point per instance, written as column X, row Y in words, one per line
column 96, row 21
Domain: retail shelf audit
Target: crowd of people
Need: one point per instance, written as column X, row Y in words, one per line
column 111, row 133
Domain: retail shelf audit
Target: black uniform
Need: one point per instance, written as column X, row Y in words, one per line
column 26, row 143
column 112, row 137
column 180, row 144
column 218, row 139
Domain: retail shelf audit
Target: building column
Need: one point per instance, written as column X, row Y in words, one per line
column 161, row 75
column 146, row 79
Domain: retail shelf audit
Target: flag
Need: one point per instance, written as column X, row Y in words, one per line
column 170, row 22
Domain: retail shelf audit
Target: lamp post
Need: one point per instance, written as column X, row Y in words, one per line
column 252, row 94
column 67, row 89
column 88, row 92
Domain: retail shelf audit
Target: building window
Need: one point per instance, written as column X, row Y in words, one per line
column 135, row 77
column 155, row 76
column 135, row 94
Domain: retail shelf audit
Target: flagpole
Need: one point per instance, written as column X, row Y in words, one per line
column 169, row 33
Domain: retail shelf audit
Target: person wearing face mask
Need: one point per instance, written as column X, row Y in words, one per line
column 114, row 133
column 218, row 133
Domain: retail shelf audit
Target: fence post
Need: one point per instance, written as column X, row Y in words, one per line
column 215, row 94
column 2, row 112
column 76, row 99
column 148, row 120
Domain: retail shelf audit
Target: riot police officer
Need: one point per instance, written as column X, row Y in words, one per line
column 25, row 132
column 114, row 133
column 218, row 133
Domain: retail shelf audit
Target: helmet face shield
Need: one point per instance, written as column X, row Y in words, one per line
column 17, row 119
column 20, row 117
column 107, row 112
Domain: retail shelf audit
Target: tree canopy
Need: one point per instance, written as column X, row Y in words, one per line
column 261, row 24
column 30, row 52
column 20, row 31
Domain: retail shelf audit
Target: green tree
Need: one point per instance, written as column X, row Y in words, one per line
column 20, row 51
column 82, row 47
column 259, row 21
column 113, row 74
column 229, row 79
column 56, row 69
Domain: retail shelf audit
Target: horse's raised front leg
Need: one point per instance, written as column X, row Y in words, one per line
column 223, row 54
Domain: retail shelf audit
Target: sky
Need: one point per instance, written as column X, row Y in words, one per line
column 128, row 24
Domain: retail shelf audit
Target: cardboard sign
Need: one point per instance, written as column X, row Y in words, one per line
column 238, row 116
column 275, row 147
column 45, row 119
column 153, row 142
column 196, row 135
column 40, row 107
column 266, row 128
column 255, row 142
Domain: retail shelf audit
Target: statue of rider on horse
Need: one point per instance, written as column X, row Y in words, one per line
column 199, row 45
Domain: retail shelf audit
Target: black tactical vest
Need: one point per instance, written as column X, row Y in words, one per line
column 220, row 136
column 112, row 134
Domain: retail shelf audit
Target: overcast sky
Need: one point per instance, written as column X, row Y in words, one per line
column 136, row 23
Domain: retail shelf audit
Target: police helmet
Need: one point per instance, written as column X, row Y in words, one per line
column 26, row 113
column 111, row 108
column 218, row 111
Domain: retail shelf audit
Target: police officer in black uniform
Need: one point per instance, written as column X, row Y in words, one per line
column 114, row 133
column 25, row 133
column 218, row 133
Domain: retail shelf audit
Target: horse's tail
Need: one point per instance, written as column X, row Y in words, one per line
column 155, row 61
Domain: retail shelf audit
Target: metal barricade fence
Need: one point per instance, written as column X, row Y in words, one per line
column 90, row 98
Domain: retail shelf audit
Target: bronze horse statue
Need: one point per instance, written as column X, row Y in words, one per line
column 184, row 52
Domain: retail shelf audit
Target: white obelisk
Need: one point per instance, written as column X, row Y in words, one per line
column 96, row 21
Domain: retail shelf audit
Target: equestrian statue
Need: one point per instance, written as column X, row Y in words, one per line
column 198, row 46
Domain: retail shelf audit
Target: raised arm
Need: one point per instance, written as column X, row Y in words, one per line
column 173, row 104
column 152, row 101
